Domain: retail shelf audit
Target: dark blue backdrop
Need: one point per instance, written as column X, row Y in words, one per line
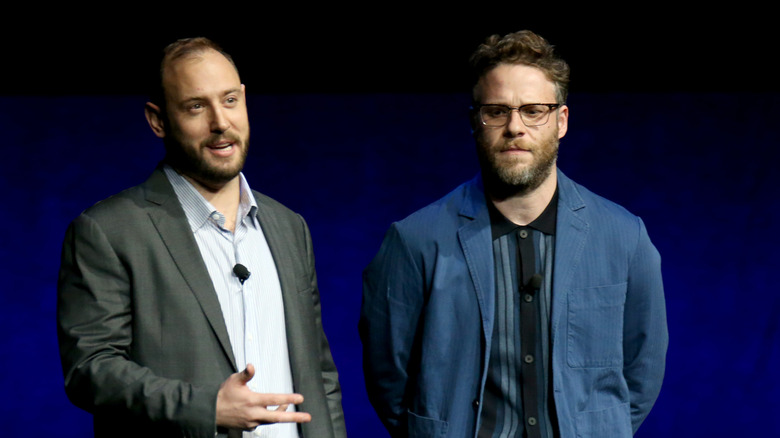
column 698, row 168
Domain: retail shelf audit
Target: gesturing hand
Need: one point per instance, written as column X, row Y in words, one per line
column 240, row 408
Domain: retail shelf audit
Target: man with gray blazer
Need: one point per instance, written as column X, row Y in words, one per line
column 188, row 305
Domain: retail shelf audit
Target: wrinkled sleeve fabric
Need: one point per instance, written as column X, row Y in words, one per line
column 95, row 331
column 645, row 335
column 393, row 298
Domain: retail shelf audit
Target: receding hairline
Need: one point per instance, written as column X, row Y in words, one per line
column 177, row 51
column 195, row 54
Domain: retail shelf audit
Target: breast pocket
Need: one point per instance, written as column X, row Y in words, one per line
column 595, row 326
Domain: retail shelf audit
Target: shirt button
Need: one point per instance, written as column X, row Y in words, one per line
column 528, row 298
column 523, row 234
column 528, row 358
column 475, row 404
column 532, row 421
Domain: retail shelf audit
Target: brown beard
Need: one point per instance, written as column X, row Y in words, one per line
column 189, row 163
column 502, row 180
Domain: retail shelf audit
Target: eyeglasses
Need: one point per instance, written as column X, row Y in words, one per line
column 532, row 114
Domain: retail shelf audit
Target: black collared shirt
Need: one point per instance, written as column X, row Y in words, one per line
column 545, row 223
column 518, row 396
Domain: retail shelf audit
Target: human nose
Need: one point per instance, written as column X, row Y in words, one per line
column 219, row 120
column 515, row 125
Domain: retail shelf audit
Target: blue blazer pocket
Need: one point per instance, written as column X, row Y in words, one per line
column 419, row 426
column 595, row 326
column 605, row 423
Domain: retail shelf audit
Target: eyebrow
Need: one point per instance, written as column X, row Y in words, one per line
column 198, row 98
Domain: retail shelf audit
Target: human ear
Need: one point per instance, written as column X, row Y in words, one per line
column 155, row 119
column 563, row 120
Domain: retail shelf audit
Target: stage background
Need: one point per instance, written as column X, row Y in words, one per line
column 355, row 135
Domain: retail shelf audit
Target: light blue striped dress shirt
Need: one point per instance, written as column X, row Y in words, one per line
column 254, row 311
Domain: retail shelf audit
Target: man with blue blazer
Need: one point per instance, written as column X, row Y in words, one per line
column 188, row 305
column 520, row 304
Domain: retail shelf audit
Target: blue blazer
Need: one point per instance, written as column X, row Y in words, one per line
column 428, row 310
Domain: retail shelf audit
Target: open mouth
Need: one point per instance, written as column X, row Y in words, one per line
column 222, row 148
column 221, row 144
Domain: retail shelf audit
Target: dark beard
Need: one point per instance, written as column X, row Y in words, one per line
column 187, row 163
column 503, row 183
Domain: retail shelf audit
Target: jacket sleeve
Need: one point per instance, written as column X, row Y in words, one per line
column 330, row 377
column 95, row 331
column 645, row 336
column 393, row 298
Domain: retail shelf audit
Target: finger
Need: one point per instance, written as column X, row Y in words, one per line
column 278, row 399
column 281, row 408
column 286, row 417
column 247, row 374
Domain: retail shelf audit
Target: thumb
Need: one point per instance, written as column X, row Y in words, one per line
column 247, row 374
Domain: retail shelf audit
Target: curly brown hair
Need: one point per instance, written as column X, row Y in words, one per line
column 523, row 47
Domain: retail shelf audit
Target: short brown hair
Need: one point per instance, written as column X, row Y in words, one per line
column 523, row 47
column 181, row 49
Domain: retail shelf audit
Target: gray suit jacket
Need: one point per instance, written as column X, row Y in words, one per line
column 143, row 343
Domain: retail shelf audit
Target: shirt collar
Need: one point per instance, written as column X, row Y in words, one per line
column 247, row 205
column 545, row 223
column 198, row 210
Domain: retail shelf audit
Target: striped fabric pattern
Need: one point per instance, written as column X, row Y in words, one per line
column 502, row 415
column 253, row 312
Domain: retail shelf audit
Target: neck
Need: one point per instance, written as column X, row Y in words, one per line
column 524, row 206
column 224, row 197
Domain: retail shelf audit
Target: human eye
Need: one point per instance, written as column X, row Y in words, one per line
column 495, row 111
column 232, row 97
column 194, row 107
column 534, row 110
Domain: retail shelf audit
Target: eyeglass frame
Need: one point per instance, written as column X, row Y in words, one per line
column 551, row 107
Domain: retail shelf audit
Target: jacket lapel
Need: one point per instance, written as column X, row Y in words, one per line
column 571, row 234
column 271, row 230
column 476, row 242
column 285, row 260
column 169, row 219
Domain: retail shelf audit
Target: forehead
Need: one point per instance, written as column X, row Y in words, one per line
column 199, row 73
column 516, row 83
